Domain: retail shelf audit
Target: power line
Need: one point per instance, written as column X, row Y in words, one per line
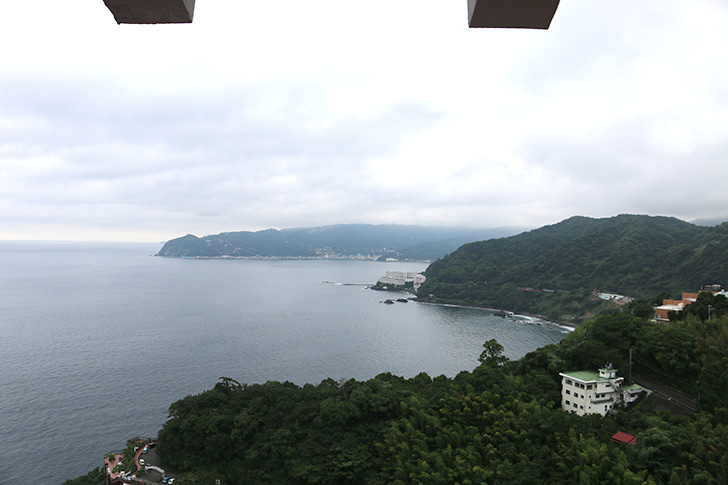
column 688, row 384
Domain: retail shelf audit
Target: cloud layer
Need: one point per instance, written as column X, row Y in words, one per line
column 308, row 113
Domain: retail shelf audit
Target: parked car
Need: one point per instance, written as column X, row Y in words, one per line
column 141, row 462
column 144, row 451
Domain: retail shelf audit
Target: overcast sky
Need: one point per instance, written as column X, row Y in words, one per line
column 298, row 113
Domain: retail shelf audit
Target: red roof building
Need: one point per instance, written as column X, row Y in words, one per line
column 624, row 438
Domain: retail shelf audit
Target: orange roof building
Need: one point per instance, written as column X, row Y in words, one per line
column 662, row 311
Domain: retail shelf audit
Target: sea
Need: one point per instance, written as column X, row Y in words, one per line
column 98, row 339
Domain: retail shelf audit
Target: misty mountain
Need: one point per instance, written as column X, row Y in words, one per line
column 715, row 221
column 365, row 241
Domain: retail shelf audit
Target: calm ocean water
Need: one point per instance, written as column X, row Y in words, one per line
column 97, row 340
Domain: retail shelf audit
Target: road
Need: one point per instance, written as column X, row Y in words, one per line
column 150, row 458
column 680, row 398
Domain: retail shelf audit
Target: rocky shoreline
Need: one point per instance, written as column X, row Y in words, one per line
column 558, row 323
column 500, row 312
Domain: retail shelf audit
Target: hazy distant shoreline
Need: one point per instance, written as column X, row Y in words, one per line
column 298, row 258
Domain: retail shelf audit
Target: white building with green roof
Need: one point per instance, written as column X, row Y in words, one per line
column 588, row 392
column 632, row 392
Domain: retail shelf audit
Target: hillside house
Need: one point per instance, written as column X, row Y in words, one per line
column 589, row 392
column 662, row 311
column 632, row 392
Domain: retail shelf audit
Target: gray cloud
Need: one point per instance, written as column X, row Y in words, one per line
column 110, row 132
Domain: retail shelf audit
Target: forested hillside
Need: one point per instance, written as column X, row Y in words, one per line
column 638, row 256
column 343, row 241
column 500, row 423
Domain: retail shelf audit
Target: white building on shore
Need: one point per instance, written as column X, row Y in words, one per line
column 400, row 278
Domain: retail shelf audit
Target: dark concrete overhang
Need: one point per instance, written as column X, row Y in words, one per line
column 519, row 14
column 151, row 11
column 514, row 14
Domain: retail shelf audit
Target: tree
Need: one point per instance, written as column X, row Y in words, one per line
column 713, row 385
column 94, row 477
column 656, row 450
column 641, row 308
column 706, row 306
column 492, row 356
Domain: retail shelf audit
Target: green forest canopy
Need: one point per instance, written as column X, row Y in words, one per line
column 638, row 256
column 500, row 423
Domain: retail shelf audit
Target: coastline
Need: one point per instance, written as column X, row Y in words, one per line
column 569, row 326
column 337, row 257
column 566, row 325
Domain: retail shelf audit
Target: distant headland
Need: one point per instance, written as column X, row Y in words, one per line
column 342, row 241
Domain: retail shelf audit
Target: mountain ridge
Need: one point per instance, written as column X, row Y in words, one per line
column 635, row 255
column 339, row 241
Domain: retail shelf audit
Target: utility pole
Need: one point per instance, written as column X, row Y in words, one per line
column 630, row 364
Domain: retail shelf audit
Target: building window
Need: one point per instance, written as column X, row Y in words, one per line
column 568, row 381
column 575, row 405
column 567, row 402
column 588, row 386
column 568, row 391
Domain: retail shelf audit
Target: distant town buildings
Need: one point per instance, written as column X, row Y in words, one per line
column 589, row 392
column 621, row 299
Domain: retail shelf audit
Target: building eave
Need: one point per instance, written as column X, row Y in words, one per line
column 512, row 14
column 151, row 11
